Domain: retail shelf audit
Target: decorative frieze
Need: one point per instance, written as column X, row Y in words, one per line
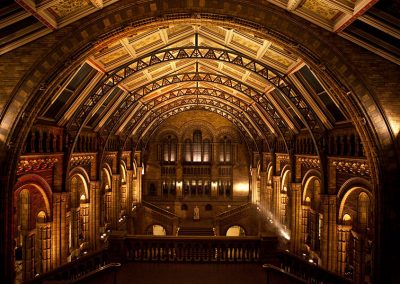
column 25, row 166
column 310, row 162
column 81, row 160
column 352, row 167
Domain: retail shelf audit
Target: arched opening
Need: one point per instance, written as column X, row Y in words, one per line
column 235, row 231
column 157, row 230
column 355, row 235
column 284, row 207
column 32, row 232
column 312, row 217
column 79, row 216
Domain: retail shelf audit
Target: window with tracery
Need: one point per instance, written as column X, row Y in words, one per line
column 225, row 150
column 169, row 150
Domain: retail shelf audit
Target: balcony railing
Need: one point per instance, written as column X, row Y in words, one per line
column 282, row 267
column 191, row 249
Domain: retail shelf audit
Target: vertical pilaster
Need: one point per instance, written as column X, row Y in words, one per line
column 263, row 190
column 304, row 222
column 139, row 185
column 329, row 232
column 254, row 195
column 43, row 245
column 343, row 242
column 94, row 214
column 60, row 232
column 295, row 218
column 276, row 196
column 115, row 201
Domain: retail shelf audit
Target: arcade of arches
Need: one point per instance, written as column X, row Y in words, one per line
column 178, row 117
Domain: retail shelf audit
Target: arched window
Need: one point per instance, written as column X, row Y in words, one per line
column 169, row 149
column 197, row 146
column 225, row 150
column 207, row 151
column 188, row 152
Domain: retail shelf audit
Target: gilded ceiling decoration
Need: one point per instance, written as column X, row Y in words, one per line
column 321, row 8
column 64, row 8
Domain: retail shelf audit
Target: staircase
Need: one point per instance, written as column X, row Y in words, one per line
column 196, row 231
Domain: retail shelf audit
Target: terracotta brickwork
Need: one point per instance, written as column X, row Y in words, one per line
column 340, row 225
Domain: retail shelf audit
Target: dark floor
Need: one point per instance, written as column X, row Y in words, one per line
column 202, row 273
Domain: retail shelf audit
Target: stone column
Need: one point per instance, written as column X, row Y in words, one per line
column 129, row 190
column 295, row 218
column 43, row 245
column 263, row 191
column 343, row 242
column 254, row 193
column 304, row 222
column 60, row 231
column 276, row 197
column 115, row 201
column 329, row 232
column 94, row 214
column 28, row 260
column 139, row 188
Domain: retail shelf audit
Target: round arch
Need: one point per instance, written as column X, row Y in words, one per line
column 324, row 58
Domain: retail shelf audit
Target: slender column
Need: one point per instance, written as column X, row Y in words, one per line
column 94, row 214
column 276, row 196
column 115, row 201
column 329, row 232
column 28, row 246
column 295, row 218
column 60, row 230
column 304, row 222
column 129, row 189
column 263, row 190
column 254, row 194
column 343, row 242
column 43, row 244
column 139, row 185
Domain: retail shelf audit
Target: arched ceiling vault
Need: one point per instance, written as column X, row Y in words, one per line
column 271, row 88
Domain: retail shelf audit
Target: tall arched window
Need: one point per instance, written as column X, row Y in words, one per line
column 169, row 149
column 197, row 146
column 188, row 152
column 225, row 150
column 207, row 151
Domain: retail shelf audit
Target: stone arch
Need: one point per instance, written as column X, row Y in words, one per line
column 168, row 131
column 123, row 171
column 241, row 230
column 322, row 56
column 307, row 181
column 107, row 175
column 269, row 174
column 39, row 184
column 161, row 229
column 285, row 177
column 83, row 175
column 352, row 187
column 206, row 128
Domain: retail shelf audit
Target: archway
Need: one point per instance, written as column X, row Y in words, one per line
column 235, row 231
column 298, row 47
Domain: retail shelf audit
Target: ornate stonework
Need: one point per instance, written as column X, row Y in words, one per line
column 352, row 167
column 81, row 160
column 25, row 166
column 310, row 162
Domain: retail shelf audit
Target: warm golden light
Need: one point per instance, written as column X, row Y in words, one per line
column 241, row 187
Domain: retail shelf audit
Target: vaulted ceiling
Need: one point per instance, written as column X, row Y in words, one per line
column 371, row 24
column 130, row 85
